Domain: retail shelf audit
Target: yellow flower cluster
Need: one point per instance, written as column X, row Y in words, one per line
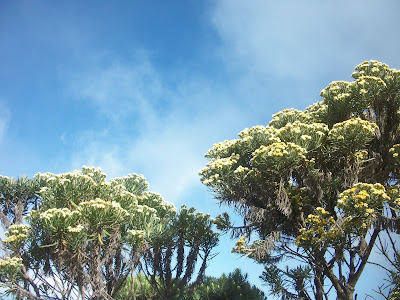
column 290, row 115
column 279, row 149
column 335, row 88
column 240, row 245
column 222, row 163
column 342, row 96
column 317, row 111
column 372, row 79
column 394, row 194
column 241, row 170
column 11, row 262
column 320, row 229
column 211, row 173
column 371, row 67
column 308, row 136
column 375, row 194
column 278, row 155
column 16, row 233
column 361, row 154
column 361, row 203
column 395, row 151
column 99, row 206
column 146, row 210
column 10, row 266
column 253, row 138
column 363, row 81
column 75, row 229
column 352, row 134
column 257, row 130
column 368, row 86
column 221, row 149
column 59, row 213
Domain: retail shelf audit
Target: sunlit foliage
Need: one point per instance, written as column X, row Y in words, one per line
column 318, row 185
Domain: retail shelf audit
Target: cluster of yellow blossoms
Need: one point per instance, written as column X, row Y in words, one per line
column 16, row 234
column 57, row 213
column 211, row 173
column 372, row 79
column 335, row 88
column 10, row 267
column 320, row 229
column 395, row 151
column 371, row 68
column 241, row 245
column 221, row 149
column 308, row 136
column 290, row 115
column 361, row 203
column 352, row 134
column 271, row 156
column 76, row 229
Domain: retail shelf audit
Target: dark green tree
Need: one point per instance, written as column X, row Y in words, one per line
column 170, row 262
column 290, row 284
column 318, row 185
column 17, row 197
column 234, row 286
column 136, row 287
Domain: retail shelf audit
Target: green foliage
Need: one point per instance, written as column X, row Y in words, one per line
column 170, row 261
column 86, row 232
column 17, row 197
column 325, row 180
column 138, row 287
column 290, row 283
column 234, row 286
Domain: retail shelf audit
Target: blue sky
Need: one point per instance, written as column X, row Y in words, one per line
column 148, row 86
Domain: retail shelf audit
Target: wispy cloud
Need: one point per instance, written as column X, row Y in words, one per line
column 166, row 121
column 175, row 125
column 306, row 40
column 120, row 89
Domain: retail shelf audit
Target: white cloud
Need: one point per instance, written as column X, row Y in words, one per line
column 176, row 125
column 178, row 121
column 120, row 89
column 306, row 39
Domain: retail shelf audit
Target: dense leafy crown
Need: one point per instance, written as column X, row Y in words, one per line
column 85, row 230
column 320, row 177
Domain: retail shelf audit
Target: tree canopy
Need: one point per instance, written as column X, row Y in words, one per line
column 170, row 262
column 318, row 185
column 234, row 285
column 85, row 237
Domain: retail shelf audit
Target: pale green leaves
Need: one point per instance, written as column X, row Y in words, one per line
column 352, row 135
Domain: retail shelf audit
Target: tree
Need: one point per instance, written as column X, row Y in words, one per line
column 235, row 285
column 17, row 197
column 170, row 262
column 290, row 283
column 388, row 248
column 138, row 288
column 85, row 236
column 318, row 185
